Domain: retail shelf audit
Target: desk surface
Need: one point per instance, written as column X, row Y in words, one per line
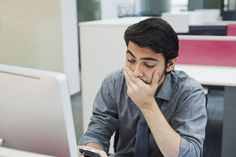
column 211, row 75
column 7, row 152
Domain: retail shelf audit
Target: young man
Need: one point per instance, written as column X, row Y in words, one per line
column 154, row 109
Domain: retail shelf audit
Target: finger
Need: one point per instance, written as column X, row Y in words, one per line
column 127, row 78
column 131, row 86
column 137, row 81
column 155, row 79
column 131, row 75
column 102, row 153
column 131, row 80
column 140, row 82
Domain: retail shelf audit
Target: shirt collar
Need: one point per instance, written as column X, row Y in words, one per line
column 165, row 90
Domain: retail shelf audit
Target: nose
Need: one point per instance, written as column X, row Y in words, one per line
column 138, row 71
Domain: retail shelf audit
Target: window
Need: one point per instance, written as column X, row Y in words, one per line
column 179, row 5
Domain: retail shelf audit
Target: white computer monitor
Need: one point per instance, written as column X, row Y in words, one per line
column 35, row 112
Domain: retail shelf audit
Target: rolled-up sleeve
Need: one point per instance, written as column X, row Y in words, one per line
column 190, row 122
column 104, row 121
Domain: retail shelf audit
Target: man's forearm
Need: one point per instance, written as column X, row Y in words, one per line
column 167, row 139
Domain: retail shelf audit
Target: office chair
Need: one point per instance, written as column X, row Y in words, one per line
column 215, row 110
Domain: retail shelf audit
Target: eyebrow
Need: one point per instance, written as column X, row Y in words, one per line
column 144, row 58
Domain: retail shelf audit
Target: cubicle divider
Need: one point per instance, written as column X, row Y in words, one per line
column 231, row 30
column 207, row 50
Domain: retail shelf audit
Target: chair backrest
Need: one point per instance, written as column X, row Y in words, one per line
column 215, row 107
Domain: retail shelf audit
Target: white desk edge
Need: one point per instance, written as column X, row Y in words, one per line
column 210, row 75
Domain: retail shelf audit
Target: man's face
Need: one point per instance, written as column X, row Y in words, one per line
column 143, row 62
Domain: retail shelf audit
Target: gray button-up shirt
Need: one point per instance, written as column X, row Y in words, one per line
column 180, row 98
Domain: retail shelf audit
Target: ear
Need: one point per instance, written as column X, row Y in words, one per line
column 171, row 64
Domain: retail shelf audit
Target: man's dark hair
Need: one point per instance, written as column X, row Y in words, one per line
column 154, row 33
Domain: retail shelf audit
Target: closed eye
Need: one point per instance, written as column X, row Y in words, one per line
column 149, row 66
column 131, row 60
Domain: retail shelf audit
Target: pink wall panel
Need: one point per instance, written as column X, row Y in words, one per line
column 207, row 52
column 231, row 30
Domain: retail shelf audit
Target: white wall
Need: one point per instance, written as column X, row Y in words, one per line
column 41, row 34
column 108, row 9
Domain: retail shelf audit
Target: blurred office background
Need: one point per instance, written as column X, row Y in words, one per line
column 41, row 33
